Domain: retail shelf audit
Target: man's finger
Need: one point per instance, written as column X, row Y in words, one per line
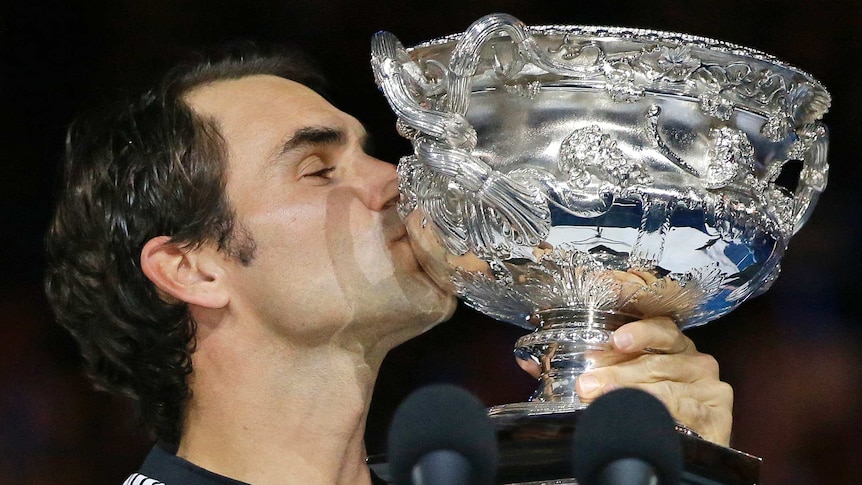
column 655, row 335
column 683, row 368
column 703, row 407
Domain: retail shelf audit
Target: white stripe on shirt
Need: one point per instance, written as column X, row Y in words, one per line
column 138, row 479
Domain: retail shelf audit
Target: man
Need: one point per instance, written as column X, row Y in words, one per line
column 228, row 255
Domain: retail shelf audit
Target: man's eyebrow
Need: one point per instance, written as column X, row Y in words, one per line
column 313, row 135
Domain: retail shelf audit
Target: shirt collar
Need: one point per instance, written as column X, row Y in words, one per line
column 164, row 465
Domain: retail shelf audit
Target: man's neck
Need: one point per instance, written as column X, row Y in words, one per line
column 277, row 414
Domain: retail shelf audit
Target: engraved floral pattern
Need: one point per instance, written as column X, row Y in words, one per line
column 589, row 153
column 622, row 85
column 568, row 278
column 678, row 295
column 716, row 105
column 669, row 64
column 783, row 207
column 730, row 155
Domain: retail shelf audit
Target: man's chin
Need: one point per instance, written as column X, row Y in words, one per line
column 438, row 307
column 423, row 317
column 445, row 301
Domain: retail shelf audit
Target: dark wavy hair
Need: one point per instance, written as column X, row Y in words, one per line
column 133, row 171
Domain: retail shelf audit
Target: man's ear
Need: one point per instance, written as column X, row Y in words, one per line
column 194, row 276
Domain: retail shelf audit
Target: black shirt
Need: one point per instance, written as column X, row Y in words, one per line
column 163, row 467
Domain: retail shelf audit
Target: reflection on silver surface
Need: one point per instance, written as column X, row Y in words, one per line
column 572, row 179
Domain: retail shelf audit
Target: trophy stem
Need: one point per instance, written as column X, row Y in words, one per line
column 562, row 345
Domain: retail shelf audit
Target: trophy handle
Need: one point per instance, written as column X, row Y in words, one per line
column 444, row 141
column 465, row 56
column 815, row 170
column 396, row 73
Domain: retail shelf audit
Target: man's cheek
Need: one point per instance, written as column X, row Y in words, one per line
column 375, row 260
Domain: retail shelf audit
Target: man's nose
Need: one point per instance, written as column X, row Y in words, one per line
column 379, row 183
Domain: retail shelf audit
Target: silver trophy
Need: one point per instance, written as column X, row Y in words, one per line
column 571, row 179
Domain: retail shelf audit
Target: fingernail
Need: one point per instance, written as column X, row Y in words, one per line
column 623, row 340
column 588, row 384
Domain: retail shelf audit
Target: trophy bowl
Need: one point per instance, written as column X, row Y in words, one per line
column 571, row 179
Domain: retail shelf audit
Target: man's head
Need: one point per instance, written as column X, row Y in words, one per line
column 233, row 192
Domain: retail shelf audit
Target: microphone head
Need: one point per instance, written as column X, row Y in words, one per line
column 442, row 417
column 626, row 423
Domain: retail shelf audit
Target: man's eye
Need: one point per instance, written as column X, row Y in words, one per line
column 322, row 173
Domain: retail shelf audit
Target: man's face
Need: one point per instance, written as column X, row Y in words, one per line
column 332, row 259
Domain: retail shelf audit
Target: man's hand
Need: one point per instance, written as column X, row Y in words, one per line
column 653, row 355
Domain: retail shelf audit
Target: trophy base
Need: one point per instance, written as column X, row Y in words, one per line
column 534, row 408
column 537, row 449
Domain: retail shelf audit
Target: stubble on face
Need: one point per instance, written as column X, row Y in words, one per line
column 321, row 257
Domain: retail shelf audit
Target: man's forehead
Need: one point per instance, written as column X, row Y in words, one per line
column 221, row 96
column 267, row 103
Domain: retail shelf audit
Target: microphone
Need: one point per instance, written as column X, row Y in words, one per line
column 441, row 435
column 627, row 437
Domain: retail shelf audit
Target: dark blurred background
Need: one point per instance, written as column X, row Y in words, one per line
column 792, row 355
